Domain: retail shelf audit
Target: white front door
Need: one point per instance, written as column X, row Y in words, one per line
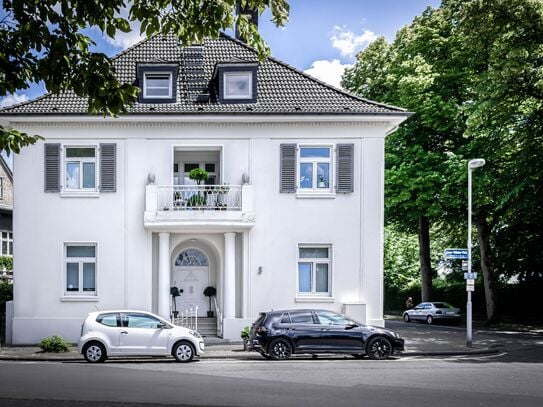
column 193, row 281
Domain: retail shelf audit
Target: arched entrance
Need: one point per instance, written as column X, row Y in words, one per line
column 191, row 274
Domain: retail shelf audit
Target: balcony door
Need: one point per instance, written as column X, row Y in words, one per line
column 209, row 167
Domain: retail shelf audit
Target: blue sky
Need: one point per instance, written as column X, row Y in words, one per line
column 321, row 38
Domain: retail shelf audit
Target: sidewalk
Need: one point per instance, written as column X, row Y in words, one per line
column 416, row 344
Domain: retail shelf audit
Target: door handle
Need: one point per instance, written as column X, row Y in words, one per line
column 325, row 329
column 124, row 333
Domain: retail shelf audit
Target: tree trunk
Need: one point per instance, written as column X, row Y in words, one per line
column 489, row 280
column 424, row 258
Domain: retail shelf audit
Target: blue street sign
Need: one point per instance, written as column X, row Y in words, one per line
column 455, row 254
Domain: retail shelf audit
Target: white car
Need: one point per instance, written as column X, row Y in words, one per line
column 136, row 333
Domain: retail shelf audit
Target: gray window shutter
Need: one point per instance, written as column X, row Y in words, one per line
column 288, row 168
column 52, row 167
column 345, row 168
column 108, row 167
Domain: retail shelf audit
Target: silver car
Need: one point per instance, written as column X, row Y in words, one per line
column 430, row 311
column 136, row 333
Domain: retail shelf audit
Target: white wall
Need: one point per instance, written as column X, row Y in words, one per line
column 126, row 262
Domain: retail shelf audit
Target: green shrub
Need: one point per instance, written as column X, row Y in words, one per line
column 6, row 262
column 54, row 344
column 245, row 332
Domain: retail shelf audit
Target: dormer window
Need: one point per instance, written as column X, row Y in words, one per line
column 238, row 85
column 236, row 82
column 157, row 82
column 157, row 85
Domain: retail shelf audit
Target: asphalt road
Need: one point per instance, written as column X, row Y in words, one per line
column 512, row 377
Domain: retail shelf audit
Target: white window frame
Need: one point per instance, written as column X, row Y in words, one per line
column 8, row 240
column 170, row 85
column 81, row 160
column 315, row 191
column 300, row 296
column 249, row 94
column 80, row 260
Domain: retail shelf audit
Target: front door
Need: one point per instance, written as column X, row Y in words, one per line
column 193, row 281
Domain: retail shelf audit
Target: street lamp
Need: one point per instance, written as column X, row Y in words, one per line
column 472, row 164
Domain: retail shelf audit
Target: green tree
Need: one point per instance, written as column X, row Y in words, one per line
column 45, row 40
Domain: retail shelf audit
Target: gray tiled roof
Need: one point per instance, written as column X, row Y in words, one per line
column 281, row 89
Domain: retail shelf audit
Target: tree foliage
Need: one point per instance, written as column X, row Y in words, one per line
column 47, row 40
column 472, row 71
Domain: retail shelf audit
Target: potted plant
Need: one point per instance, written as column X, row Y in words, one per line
column 198, row 200
column 245, row 337
column 198, row 175
column 210, row 292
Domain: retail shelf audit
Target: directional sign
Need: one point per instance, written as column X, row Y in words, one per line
column 465, row 265
column 470, row 285
column 455, row 254
column 470, row 276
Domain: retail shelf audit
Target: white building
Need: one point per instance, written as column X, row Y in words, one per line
column 291, row 215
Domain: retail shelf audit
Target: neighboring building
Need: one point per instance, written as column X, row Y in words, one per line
column 6, row 209
column 291, row 215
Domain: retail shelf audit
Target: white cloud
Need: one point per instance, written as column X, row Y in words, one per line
column 125, row 40
column 13, row 99
column 348, row 43
column 328, row 71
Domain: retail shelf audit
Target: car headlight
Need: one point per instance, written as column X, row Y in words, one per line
column 195, row 334
column 396, row 335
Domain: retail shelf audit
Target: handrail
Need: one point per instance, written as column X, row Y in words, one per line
column 207, row 197
column 219, row 317
column 188, row 318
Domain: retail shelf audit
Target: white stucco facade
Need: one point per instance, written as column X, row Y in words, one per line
column 253, row 258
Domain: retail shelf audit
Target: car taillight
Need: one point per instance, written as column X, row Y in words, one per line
column 261, row 330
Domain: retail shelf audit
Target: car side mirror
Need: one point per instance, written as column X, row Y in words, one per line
column 162, row 326
column 351, row 325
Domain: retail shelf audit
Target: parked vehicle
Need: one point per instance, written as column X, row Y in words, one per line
column 432, row 311
column 136, row 333
column 279, row 334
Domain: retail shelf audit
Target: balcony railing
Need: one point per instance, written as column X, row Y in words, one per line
column 199, row 197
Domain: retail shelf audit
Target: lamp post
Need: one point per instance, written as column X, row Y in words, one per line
column 472, row 164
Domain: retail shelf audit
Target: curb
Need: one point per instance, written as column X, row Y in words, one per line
column 242, row 355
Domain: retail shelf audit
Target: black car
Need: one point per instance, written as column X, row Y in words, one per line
column 279, row 334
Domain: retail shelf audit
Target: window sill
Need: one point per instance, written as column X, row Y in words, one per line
column 314, row 299
column 80, row 194
column 79, row 298
column 315, row 195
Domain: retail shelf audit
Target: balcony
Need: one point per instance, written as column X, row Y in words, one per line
column 199, row 207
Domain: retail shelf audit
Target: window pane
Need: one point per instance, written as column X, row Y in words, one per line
column 322, row 278
column 313, row 252
column 72, row 175
column 237, row 85
column 141, row 321
column 4, row 247
column 302, row 318
column 80, row 251
column 107, row 319
column 89, row 277
column 304, row 277
column 306, row 175
column 89, row 175
column 158, row 92
column 331, row 318
column 85, row 152
column 323, row 175
column 210, row 167
column 157, row 81
column 72, row 277
column 315, row 152
column 189, row 167
column 10, row 251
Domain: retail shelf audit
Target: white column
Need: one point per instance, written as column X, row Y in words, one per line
column 164, row 275
column 229, row 275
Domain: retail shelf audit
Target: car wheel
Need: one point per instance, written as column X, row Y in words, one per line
column 183, row 352
column 406, row 317
column 280, row 349
column 429, row 319
column 95, row 352
column 379, row 348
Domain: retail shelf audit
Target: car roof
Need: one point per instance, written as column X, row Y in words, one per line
column 282, row 311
